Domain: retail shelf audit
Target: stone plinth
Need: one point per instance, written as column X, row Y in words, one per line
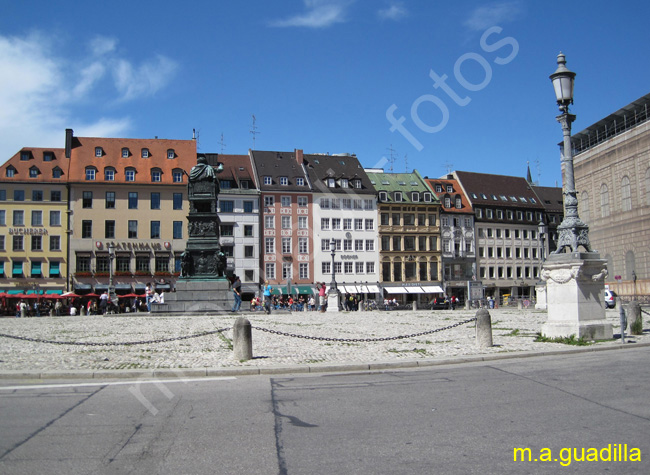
column 574, row 295
column 333, row 300
column 197, row 297
column 540, row 296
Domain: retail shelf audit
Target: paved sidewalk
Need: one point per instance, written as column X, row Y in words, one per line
column 513, row 334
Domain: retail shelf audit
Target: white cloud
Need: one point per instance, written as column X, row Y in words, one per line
column 144, row 80
column 319, row 14
column 42, row 93
column 493, row 15
column 395, row 11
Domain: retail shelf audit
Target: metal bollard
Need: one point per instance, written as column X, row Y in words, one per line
column 622, row 320
column 483, row 328
column 242, row 339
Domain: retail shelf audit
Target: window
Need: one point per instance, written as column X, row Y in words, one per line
column 300, row 181
column 87, row 200
column 225, row 184
column 125, row 152
column 3, row 217
column 90, row 173
column 344, row 183
column 18, row 217
column 129, row 174
column 86, row 229
column 302, row 222
column 270, row 270
column 248, row 230
column 109, row 174
column 326, row 268
column 55, row 269
column 171, row 154
column 109, row 229
column 37, row 195
column 303, row 245
column 133, row 200
column 285, row 201
column 325, row 224
column 155, row 229
column 55, row 218
column 302, row 201
column 144, row 153
column 162, row 263
column 284, row 181
column 348, row 267
column 337, row 244
column 37, row 218
column 286, row 222
column 177, row 201
column 177, row 176
column 133, row 229
column 227, row 230
column 37, row 243
column 98, row 152
column 325, row 203
column 177, row 230
column 142, row 263
column 286, row 270
column 347, row 245
column 398, row 196
column 83, row 263
column 385, row 219
column 336, row 203
column 336, row 223
column 123, row 263
column 397, row 243
column 604, row 201
column 409, row 219
column 155, row 200
column 226, row 206
column 459, row 203
column 415, row 197
column 626, row 198
column 268, row 180
column 370, row 224
column 385, row 243
column 248, row 206
column 370, row 267
column 331, row 183
column 303, row 271
column 269, row 222
column 269, row 245
column 383, row 196
column 18, row 243
column 324, row 245
column 358, row 245
column 55, row 195
column 56, row 172
column 109, row 202
column 156, row 175
column 358, row 224
column 269, row 200
column 347, row 224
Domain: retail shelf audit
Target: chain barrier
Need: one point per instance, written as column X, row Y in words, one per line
column 643, row 311
column 364, row 340
column 125, row 343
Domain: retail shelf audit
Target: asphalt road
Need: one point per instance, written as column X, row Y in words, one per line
column 463, row 418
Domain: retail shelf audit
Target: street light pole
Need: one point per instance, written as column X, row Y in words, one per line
column 572, row 232
column 333, row 249
column 111, row 256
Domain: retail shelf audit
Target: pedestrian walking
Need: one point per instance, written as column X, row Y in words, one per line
column 236, row 291
column 267, row 297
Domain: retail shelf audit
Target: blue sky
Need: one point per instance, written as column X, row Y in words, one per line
column 321, row 75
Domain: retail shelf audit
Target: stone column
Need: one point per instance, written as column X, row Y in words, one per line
column 483, row 328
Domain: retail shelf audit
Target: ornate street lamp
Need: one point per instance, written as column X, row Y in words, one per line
column 111, row 257
column 333, row 293
column 542, row 229
column 333, row 249
column 572, row 232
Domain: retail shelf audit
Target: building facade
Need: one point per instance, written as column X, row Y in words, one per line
column 345, row 213
column 409, row 236
column 287, row 220
column 507, row 213
column 612, row 177
column 33, row 222
column 457, row 236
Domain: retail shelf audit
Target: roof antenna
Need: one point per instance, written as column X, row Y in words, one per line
column 449, row 166
column 392, row 157
column 406, row 163
column 254, row 130
column 222, row 143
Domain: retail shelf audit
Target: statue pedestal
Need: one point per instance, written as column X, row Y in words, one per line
column 197, row 297
column 540, row 296
column 333, row 301
column 574, row 295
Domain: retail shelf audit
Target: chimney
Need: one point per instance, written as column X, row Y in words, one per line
column 299, row 158
column 68, row 143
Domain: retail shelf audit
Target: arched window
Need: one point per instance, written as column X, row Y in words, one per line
column 626, row 198
column 584, row 207
column 604, row 201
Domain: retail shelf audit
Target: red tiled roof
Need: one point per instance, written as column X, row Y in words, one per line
column 37, row 159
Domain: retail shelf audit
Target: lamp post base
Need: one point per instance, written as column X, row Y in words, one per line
column 333, row 301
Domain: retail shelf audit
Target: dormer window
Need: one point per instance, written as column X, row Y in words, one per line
column 459, row 203
column 447, row 201
column 427, row 197
column 90, row 173
column 99, row 151
column 244, row 184
column 171, row 154
column 177, row 176
column 156, row 175
column 344, row 182
column 383, row 196
column 284, row 181
column 144, row 153
column 268, row 180
column 56, row 172
column 438, row 188
column 357, row 183
column 25, row 155
column 33, row 172
column 125, row 152
column 129, row 174
column 450, row 189
column 48, row 156
column 300, row 181
column 225, row 184
column 398, row 196
column 415, row 197
column 331, row 183
column 109, row 174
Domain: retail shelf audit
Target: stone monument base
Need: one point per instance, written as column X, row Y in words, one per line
column 574, row 295
column 197, row 297
column 333, row 301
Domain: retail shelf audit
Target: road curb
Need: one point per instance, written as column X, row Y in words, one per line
column 169, row 373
